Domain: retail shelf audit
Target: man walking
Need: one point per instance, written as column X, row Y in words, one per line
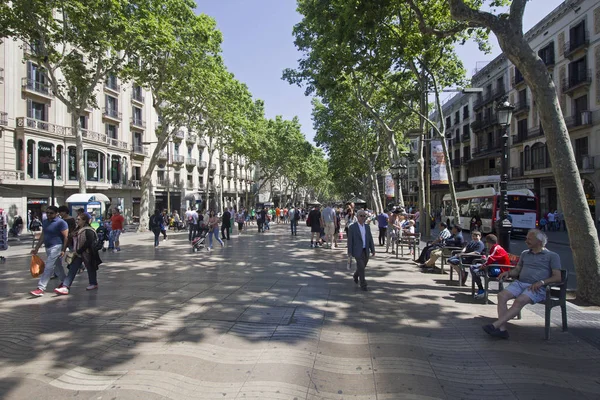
column 117, row 222
column 54, row 235
column 192, row 220
column 328, row 222
column 225, row 224
column 382, row 223
column 360, row 242
column 294, row 216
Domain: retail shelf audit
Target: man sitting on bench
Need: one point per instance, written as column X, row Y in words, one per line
column 497, row 256
column 439, row 242
column 537, row 268
column 472, row 251
column 456, row 240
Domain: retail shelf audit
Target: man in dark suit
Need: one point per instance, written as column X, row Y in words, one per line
column 360, row 242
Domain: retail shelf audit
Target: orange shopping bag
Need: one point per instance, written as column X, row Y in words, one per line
column 36, row 266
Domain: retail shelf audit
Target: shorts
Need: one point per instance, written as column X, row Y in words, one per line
column 315, row 228
column 518, row 288
column 115, row 234
column 329, row 228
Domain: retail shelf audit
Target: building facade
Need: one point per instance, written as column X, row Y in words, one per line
column 35, row 128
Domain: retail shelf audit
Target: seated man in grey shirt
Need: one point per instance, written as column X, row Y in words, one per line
column 537, row 268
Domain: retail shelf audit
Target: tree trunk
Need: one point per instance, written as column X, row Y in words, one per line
column 147, row 181
column 423, row 222
column 583, row 236
column 79, row 154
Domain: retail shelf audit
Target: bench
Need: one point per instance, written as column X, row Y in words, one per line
column 556, row 293
column 412, row 240
column 448, row 252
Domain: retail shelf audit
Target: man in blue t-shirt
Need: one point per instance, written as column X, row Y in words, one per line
column 55, row 233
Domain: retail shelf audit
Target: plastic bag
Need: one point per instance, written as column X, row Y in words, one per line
column 36, row 267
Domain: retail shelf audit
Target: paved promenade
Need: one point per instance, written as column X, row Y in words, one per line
column 267, row 317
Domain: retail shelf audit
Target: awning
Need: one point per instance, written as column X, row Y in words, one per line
column 193, row 197
column 88, row 197
column 356, row 200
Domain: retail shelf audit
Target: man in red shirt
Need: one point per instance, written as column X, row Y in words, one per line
column 116, row 222
column 497, row 256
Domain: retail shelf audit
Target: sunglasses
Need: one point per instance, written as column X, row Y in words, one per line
column 362, row 216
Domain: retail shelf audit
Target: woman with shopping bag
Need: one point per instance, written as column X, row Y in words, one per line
column 85, row 253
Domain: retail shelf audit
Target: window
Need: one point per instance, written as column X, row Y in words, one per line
column 466, row 112
column 518, row 75
column 83, row 122
column 474, row 207
column 578, row 72
column 59, row 160
column 457, row 117
column 485, row 208
column 448, row 122
column 136, row 173
column 577, row 35
column 20, row 158
column 115, row 169
column 45, row 154
column 72, row 164
column 500, row 85
column 527, row 152
column 36, row 78
column 137, row 93
column 111, row 131
column 522, row 129
column 112, row 106
column 538, row 156
column 522, row 97
column 137, row 116
column 37, row 110
column 176, row 149
column 547, row 54
column 94, row 165
column 111, row 82
column 580, row 105
column 190, row 151
column 491, row 163
column 581, row 149
column 30, row 157
column 463, row 207
column 466, row 130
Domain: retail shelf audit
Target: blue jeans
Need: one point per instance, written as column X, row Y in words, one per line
column 111, row 241
column 156, row 232
column 53, row 265
column 215, row 232
column 293, row 226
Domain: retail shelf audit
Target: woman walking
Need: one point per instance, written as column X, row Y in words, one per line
column 213, row 226
column 241, row 219
column 85, row 253
column 155, row 222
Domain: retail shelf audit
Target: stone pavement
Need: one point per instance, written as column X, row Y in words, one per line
column 267, row 317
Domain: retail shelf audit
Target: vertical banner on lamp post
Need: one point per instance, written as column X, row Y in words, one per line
column 389, row 186
column 439, row 175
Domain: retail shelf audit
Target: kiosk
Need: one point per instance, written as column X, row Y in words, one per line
column 93, row 203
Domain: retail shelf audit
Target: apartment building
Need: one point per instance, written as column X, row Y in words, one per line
column 119, row 138
column 568, row 41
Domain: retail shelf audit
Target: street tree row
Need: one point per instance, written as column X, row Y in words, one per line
column 401, row 50
column 175, row 54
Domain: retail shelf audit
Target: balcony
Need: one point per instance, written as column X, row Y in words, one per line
column 178, row 159
column 573, row 46
column 482, row 100
column 112, row 86
column 42, row 126
column 201, row 143
column 481, row 124
column 455, row 162
column 137, row 97
column 201, row 187
column 520, row 137
column 190, row 162
column 229, row 174
column 581, row 80
column 202, row 164
column 498, row 92
column 135, row 183
column 579, row 120
column 11, row 176
column 3, row 118
column 518, row 79
column 189, row 185
column 465, row 159
column 179, row 136
column 163, row 155
column 111, row 113
column 162, row 181
column 139, row 150
column 485, row 150
column 119, row 144
column 191, row 139
column 1, row 75
column 521, row 107
column 516, row 172
column 465, row 137
column 585, row 164
column 535, row 132
column 37, row 88
column 138, row 123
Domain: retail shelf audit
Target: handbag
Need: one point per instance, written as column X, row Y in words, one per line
column 36, row 266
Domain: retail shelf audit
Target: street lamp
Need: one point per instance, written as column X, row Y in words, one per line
column 52, row 164
column 504, row 110
column 397, row 171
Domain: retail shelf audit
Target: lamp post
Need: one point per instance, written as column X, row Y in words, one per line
column 52, row 164
column 504, row 225
column 397, row 171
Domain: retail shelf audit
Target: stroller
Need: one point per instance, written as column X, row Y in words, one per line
column 102, row 234
column 198, row 240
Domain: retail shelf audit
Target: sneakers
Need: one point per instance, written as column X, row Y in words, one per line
column 480, row 294
column 222, row 244
column 91, row 287
column 37, row 293
column 495, row 332
column 63, row 290
column 312, row 246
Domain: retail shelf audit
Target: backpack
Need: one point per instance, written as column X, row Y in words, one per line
column 153, row 223
column 296, row 215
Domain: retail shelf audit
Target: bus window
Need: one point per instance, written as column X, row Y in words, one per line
column 486, row 208
column 474, row 207
column 463, row 207
column 522, row 203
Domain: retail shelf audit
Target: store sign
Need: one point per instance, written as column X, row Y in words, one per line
column 37, row 201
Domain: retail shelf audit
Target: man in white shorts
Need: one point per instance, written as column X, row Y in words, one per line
column 537, row 268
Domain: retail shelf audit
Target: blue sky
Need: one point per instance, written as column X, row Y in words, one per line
column 258, row 45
